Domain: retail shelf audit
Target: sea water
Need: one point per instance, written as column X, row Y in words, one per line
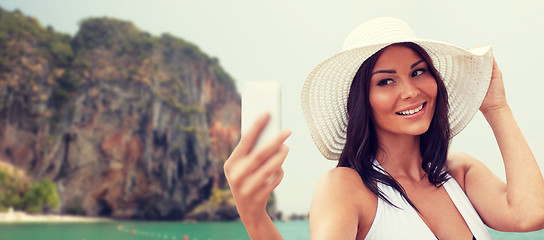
column 125, row 230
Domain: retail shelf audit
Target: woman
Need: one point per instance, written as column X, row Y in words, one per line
column 386, row 107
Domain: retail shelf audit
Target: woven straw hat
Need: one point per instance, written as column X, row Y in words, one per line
column 466, row 75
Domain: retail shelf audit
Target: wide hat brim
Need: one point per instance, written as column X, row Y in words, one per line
column 466, row 74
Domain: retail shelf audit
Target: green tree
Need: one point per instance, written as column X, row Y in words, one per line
column 41, row 197
column 9, row 191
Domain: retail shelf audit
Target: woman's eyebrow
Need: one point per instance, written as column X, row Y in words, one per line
column 416, row 63
column 383, row 71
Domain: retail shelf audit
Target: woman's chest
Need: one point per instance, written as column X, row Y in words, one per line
column 438, row 211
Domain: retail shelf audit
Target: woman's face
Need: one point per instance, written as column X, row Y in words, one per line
column 402, row 92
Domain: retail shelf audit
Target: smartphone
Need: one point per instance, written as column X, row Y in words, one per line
column 259, row 97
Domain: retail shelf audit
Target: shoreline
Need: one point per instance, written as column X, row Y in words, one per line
column 23, row 217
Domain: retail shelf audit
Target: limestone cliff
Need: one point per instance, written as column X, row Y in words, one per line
column 127, row 124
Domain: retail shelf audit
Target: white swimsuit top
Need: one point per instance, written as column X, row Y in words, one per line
column 405, row 223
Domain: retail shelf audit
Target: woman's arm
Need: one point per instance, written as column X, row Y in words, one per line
column 519, row 204
column 252, row 175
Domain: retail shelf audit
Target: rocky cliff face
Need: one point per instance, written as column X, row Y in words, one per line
column 127, row 124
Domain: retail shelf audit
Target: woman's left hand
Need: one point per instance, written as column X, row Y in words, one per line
column 495, row 97
column 516, row 206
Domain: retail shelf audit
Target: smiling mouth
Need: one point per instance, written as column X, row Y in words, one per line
column 412, row 111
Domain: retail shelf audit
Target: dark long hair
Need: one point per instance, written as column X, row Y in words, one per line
column 362, row 143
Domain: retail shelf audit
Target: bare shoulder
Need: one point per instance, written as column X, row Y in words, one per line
column 341, row 199
column 343, row 180
column 341, row 174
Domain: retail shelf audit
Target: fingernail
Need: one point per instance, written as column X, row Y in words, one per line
column 287, row 132
column 264, row 115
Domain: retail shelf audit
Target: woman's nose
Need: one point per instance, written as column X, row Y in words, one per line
column 408, row 89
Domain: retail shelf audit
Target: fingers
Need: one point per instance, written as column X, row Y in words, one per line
column 496, row 71
column 238, row 171
column 237, row 166
column 273, row 172
column 266, row 173
column 260, row 155
column 266, row 177
column 269, row 186
column 250, row 137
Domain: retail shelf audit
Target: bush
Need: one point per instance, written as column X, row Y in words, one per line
column 10, row 188
column 41, row 197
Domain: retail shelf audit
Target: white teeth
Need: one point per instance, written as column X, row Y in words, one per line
column 410, row 112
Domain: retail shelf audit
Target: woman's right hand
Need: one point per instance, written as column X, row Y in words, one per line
column 253, row 173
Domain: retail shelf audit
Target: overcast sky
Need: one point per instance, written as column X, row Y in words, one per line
column 283, row 40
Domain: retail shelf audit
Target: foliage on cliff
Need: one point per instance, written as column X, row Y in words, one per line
column 221, row 206
column 126, row 124
column 11, row 190
column 17, row 192
column 52, row 46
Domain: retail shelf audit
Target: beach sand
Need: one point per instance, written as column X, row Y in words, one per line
column 21, row 217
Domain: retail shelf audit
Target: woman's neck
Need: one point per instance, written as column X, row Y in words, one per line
column 400, row 156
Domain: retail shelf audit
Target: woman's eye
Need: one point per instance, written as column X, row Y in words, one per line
column 385, row 82
column 418, row 72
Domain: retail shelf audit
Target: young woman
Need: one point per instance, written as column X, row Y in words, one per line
column 386, row 108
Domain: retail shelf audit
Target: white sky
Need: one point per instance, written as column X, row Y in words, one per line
column 283, row 40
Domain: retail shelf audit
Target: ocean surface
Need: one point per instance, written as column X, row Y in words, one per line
column 124, row 230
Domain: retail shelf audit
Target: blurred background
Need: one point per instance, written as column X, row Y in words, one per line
column 127, row 109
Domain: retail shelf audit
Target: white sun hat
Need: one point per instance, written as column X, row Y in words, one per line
column 466, row 74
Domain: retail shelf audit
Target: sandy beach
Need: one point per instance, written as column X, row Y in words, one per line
column 22, row 217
